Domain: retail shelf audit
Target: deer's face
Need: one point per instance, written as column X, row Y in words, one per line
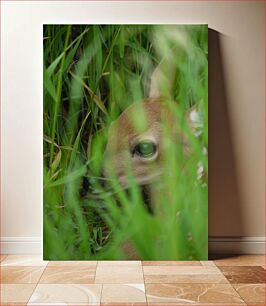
column 136, row 142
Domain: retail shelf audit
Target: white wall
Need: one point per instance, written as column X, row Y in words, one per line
column 242, row 51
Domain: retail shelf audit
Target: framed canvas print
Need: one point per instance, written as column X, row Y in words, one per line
column 125, row 125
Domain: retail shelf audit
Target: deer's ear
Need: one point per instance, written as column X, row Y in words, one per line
column 162, row 80
column 194, row 119
column 157, row 78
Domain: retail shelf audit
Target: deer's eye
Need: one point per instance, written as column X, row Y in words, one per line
column 145, row 148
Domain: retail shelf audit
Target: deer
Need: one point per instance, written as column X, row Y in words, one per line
column 137, row 139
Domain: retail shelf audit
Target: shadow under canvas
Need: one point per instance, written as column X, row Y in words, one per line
column 225, row 215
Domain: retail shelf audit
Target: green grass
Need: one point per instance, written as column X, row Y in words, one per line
column 91, row 74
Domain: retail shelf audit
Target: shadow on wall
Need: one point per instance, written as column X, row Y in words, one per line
column 225, row 218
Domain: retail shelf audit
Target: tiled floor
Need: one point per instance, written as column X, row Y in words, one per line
column 28, row 280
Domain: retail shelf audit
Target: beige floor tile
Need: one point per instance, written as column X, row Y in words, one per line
column 21, row 275
column 181, row 270
column 195, row 304
column 251, row 293
column 120, row 263
column 244, row 274
column 183, row 274
column 127, row 304
column 118, row 274
column 24, row 260
column 123, row 293
column 185, row 279
column 171, row 263
column 192, row 293
column 243, row 260
column 73, row 263
column 73, row 294
column 16, row 293
column 68, row 275
column 208, row 263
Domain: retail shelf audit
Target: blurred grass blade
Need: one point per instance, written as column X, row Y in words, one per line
column 58, row 96
column 54, row 64
column 49, row 140
column 48, row 84
column 56, row 161
column 97, row 100
column 77, row 141
column 68, row 178
column 52, row 67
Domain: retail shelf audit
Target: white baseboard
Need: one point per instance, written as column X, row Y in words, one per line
column 21, row 245
column 217, row 245
column 236, row 245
